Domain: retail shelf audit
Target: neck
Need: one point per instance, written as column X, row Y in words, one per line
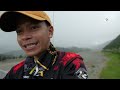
column 37, row 56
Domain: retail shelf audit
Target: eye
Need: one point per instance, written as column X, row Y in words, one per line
column 18, row 31
column 34, row 27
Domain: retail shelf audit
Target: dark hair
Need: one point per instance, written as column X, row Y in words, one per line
column 47, row 23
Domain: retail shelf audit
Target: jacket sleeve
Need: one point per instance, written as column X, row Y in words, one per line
column 75, row 69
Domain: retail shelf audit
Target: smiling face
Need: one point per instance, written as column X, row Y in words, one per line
column 33, row 36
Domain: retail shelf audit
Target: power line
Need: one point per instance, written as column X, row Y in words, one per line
column 53, row 26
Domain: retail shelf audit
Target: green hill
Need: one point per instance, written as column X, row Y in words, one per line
column 114, row 45
column 100, row 46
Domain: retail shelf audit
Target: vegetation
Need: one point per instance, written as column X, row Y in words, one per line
column 112, row 51
column 5, row 57
column 112, row 69
column 114, row 46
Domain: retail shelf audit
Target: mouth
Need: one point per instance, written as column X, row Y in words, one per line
column 30, row 46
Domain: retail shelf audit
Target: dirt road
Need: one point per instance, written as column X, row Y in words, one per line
column 5, row 66
column 2, row 73
column 94, row 61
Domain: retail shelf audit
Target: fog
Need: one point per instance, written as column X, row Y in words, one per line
column 75, row 28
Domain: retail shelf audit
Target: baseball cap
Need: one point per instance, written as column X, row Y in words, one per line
column 8, row 19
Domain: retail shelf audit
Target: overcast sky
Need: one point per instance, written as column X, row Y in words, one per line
column 77, row 28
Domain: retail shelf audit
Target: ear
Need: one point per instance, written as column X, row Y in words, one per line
column 51, row 30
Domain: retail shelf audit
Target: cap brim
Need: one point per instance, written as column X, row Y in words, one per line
column 8, row 20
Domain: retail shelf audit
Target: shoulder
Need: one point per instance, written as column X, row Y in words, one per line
column 19, row 65
column 70, row 56
column 73, row 66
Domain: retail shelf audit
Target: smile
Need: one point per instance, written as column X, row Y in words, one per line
column 30, row 45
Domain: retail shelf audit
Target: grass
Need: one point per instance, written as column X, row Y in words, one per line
column 112, row 69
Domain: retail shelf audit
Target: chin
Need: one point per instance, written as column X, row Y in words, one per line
column 31, row 54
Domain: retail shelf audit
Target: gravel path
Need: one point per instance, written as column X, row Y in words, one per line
column 2, row 73
column 6, row 66
column 94, row 62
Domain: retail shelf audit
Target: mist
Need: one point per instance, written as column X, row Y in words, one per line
column 83, row 29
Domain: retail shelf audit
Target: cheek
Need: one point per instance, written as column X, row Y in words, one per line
column 43, row 40
column 43, row 36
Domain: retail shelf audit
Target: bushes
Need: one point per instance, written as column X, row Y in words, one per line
column 5, row 57
column 2, row 57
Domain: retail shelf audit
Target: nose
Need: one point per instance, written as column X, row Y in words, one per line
column 26, row 36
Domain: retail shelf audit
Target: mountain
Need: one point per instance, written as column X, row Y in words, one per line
column 100, row 46
column 115, row 44
column 72, row 49
column 4, row 50
column 16, row 53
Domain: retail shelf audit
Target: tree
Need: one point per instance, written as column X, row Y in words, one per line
column 20, row 56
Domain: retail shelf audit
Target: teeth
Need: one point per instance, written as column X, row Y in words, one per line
column 30, row 45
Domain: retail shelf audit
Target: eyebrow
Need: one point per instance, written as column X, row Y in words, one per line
column 29, row 23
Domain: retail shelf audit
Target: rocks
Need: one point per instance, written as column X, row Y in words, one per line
column 94, row 61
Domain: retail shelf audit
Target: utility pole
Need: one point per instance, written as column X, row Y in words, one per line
column 53, row 26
